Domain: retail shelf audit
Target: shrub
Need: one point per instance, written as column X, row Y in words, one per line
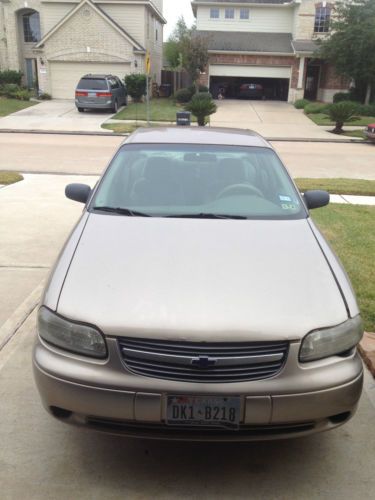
column 203, row 88
column 136, row 86
column 301, row 103
column 44, row 96
column 342, row 112
column 201, row 106
column 183, row 96
column 342, row 96
column 316, row 107
column 22, row 95
column 366, row 109
column 10, row 89
column 10, row 76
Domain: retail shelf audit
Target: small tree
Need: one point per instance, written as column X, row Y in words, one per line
column 201, row 106
column 351, row 44
column 195, row 56
column 136, row 86
column 340, row 113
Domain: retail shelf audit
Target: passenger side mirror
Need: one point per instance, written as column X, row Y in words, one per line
column 78, row 192
column 316, row 198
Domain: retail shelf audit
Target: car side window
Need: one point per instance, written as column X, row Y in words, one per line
column 114, row 83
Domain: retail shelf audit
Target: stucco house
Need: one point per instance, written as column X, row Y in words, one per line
column 55, row 42
column 268, row 41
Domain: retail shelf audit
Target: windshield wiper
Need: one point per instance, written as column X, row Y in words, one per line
column 204, row 215
column 121, row 211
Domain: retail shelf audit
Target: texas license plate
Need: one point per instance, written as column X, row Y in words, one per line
column 204, row 410
column 91, row 94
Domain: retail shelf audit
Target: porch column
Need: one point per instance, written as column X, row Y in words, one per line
column 301, row 72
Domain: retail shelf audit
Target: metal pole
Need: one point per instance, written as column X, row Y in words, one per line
column 148, row 101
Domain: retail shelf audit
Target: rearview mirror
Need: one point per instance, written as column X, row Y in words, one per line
column 78, row 192
column 316, row 198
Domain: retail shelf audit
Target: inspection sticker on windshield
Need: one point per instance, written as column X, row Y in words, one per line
column 282, row 197
column 204, row 410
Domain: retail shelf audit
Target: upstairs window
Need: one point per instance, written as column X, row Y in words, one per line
column 322, row 19
column 229, row 13
column 31, row 27
column 244, row 13
column 214, row 13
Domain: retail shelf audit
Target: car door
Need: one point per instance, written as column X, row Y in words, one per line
column 122, row 91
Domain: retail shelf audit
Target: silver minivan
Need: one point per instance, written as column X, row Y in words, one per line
column 100, row 92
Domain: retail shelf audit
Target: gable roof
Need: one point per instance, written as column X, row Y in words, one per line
column 229, row 41
column 137, row 46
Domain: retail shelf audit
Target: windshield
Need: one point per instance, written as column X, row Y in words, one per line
column 182, row 180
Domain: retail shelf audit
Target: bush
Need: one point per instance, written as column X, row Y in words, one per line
column 10, row 90
column 342, row 96
column 366, row 109
column 183, row 96
column 301, row 103
column 203, row 88
column 316, row 107
column 44, row 96
column 10, row 76
column 201, row 106
column 342, row 112
column 136, row 86
column 22, row 95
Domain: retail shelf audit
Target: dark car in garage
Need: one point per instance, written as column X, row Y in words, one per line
column 250, row 91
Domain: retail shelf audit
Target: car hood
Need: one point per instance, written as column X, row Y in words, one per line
column 194, row 279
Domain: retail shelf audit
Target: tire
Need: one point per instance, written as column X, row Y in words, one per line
column 115, row 106
column 126, row 101
column 80, row 110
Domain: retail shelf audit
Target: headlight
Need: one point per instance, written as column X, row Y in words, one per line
column 73, row 337
column 330, row 341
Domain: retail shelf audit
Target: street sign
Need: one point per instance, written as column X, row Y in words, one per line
column 148, row 63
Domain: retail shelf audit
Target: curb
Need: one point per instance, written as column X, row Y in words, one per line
column 14, row 323
column 367, row 350
column 115, row 134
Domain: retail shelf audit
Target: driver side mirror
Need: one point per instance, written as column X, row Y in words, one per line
column 78, row 192
column 316, row 198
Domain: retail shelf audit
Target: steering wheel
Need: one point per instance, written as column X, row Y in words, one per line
column 239, row 189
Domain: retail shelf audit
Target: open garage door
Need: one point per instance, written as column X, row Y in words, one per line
column 273, row 80
column 65, row 75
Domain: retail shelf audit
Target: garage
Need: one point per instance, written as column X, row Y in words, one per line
column 272, row 82
column 64, row 76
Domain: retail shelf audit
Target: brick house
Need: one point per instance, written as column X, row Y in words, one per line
column 270, row 42
column 55, row 42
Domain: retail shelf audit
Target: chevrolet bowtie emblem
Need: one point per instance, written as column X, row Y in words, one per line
column 203, row 362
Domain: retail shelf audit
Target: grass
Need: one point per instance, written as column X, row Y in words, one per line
column 338, row 186
column 161, row 110
column 10, row 177
column 322, row 119
column 121, row 128
column 8, row 106
column 351, row 231
column 355, row 133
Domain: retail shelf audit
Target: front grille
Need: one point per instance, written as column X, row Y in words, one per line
column 203, row 361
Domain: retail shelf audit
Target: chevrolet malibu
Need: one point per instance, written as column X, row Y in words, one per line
column 196, row 299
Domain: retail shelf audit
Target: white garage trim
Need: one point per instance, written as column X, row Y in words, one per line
column 64, row 76
column 250, row 71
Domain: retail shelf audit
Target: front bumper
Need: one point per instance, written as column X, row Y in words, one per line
column 103, row 395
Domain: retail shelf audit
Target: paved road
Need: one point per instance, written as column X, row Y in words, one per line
column 90, row 154
column 44, row 459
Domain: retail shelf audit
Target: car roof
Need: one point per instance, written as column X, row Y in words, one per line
column 197, row 135
column 89, row 75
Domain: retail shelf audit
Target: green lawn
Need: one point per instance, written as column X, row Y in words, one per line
column 8, row 106
column 10, row 177
column 121, row 128
column 338, row 186
column 351, row 231
column 322, row 119
column 161, row 110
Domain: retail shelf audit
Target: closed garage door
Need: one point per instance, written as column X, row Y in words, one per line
column 273, row 81
column 65, row 75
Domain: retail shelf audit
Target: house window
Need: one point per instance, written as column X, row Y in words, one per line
column 31, row 27
column 214, row 13
column 322, row 18
column 244, row 13
column 229, row 13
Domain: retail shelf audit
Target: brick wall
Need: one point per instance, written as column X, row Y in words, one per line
column 329, row 79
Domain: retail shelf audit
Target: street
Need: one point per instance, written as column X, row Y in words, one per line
column 85, row 154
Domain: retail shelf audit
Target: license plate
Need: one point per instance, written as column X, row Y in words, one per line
column 91, row 94
column 203, row 410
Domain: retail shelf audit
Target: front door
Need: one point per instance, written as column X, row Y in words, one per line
column 31, row 74
column 312, row 82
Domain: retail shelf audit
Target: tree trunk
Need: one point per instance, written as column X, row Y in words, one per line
column 338, row 128
column 201, row 120
column 368, row 94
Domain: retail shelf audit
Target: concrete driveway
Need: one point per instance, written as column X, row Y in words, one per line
column 55, row 115
column 272, row 119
